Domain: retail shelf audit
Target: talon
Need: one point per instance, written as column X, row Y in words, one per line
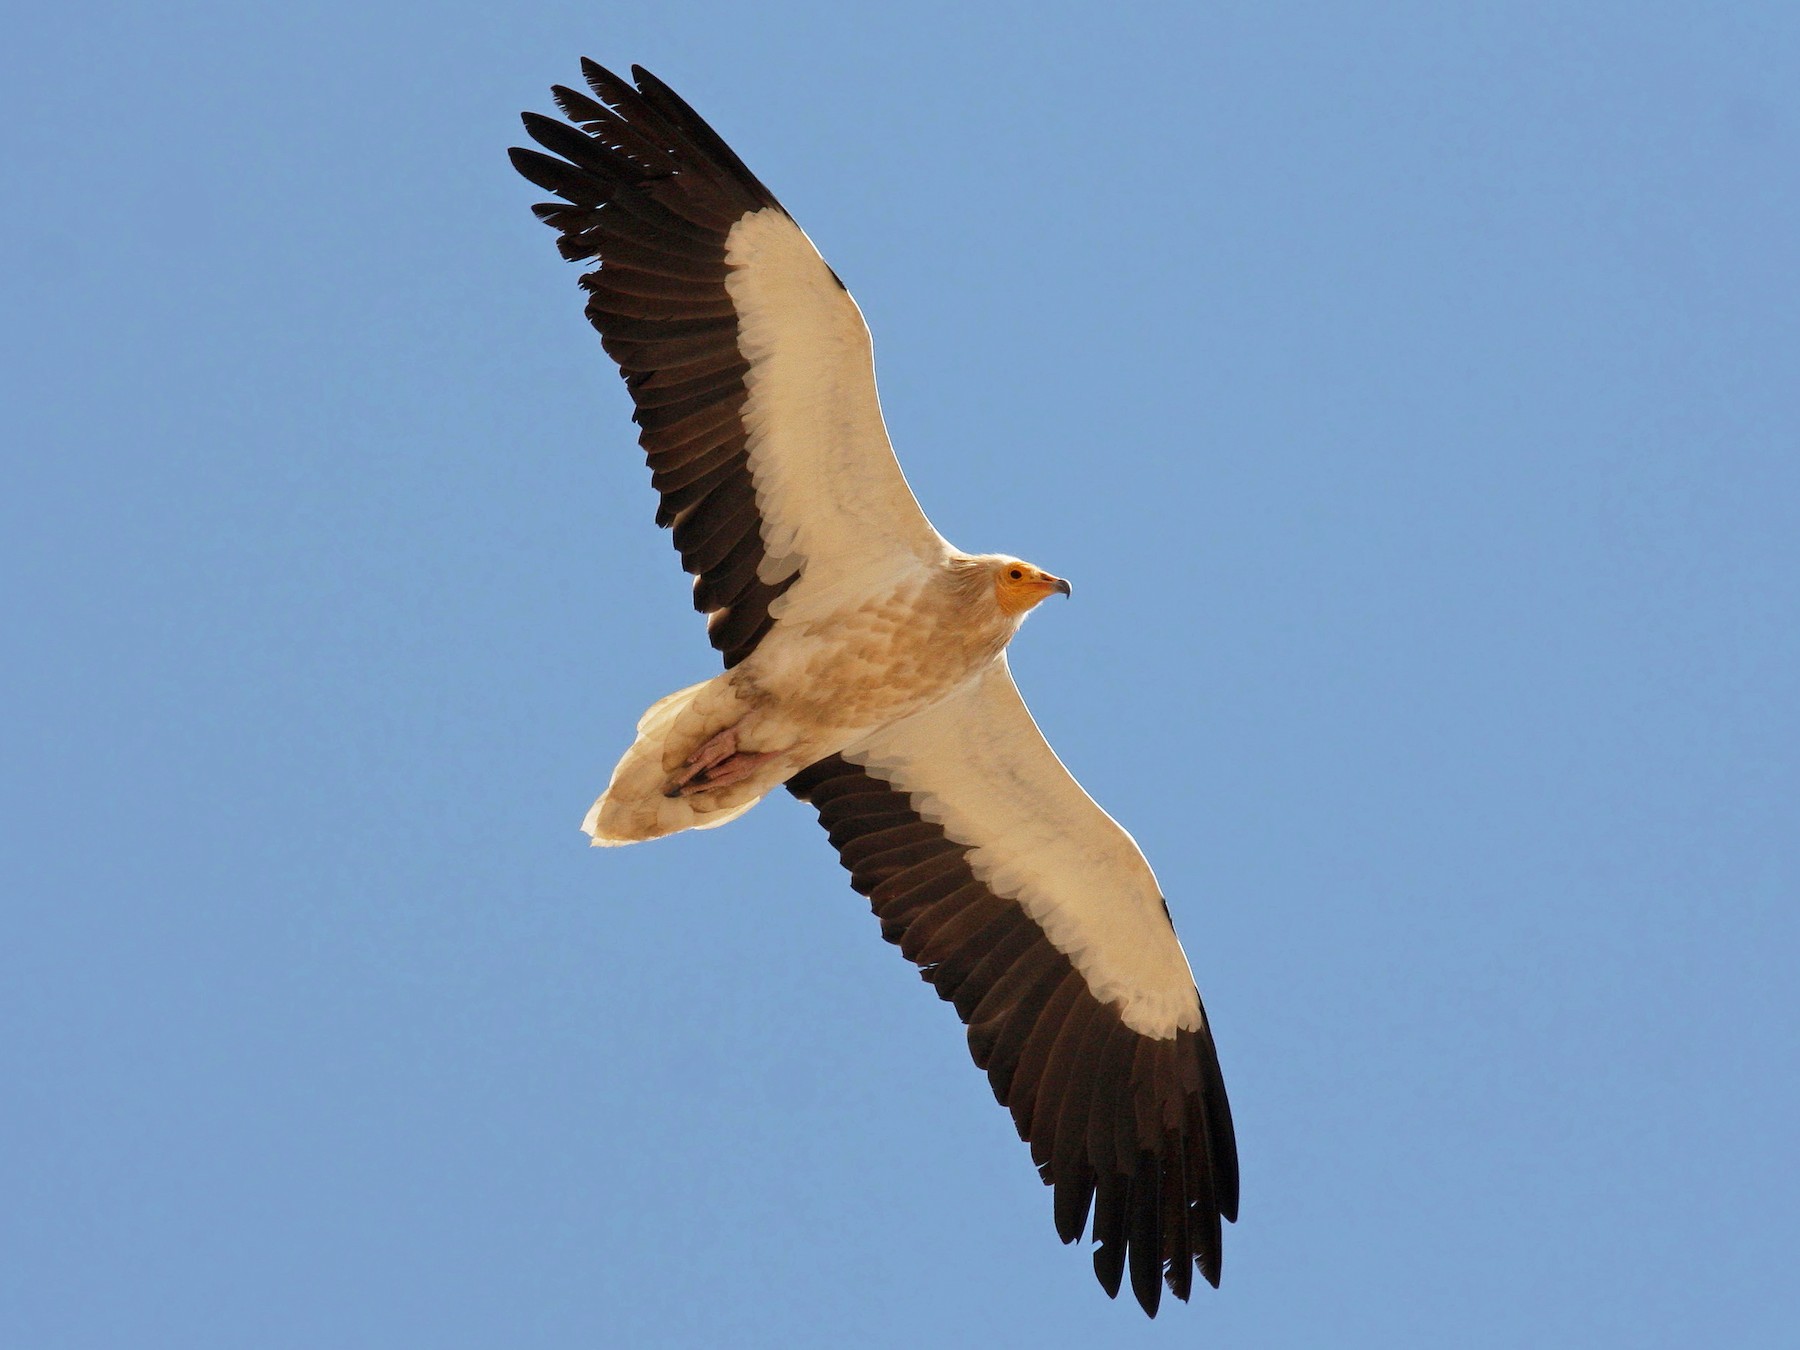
column 733, row 769
column 715, row 751
column 721, row 747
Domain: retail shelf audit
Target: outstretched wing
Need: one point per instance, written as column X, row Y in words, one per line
column 1031, row 910
column 747, row 359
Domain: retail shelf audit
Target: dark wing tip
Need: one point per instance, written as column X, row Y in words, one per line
column 567, row 181
column 596, row 74
column 678, row 111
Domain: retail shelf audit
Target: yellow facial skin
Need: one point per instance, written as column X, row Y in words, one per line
column 1018, row 586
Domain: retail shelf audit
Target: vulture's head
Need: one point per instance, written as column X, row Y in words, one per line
column 1018, row 585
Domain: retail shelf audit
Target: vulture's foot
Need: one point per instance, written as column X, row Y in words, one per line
column 717, row 763
column 715, row 751
column 732, row 769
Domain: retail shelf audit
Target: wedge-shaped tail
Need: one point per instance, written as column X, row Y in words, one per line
column 636, row 805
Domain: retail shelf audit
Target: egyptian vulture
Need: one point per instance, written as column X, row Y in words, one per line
column 865, row 669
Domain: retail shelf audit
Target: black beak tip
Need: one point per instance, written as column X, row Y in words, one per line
column 1063, row 588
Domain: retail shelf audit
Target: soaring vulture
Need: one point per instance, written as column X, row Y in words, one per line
column 865, row 669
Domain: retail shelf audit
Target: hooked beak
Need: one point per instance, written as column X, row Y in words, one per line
column 1060, row 586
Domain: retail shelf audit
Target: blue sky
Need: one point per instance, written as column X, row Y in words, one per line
column 1409, row 391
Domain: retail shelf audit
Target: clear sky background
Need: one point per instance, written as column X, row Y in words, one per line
column 1411, row 391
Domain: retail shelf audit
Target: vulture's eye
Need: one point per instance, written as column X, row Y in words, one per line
column 1016, row 574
